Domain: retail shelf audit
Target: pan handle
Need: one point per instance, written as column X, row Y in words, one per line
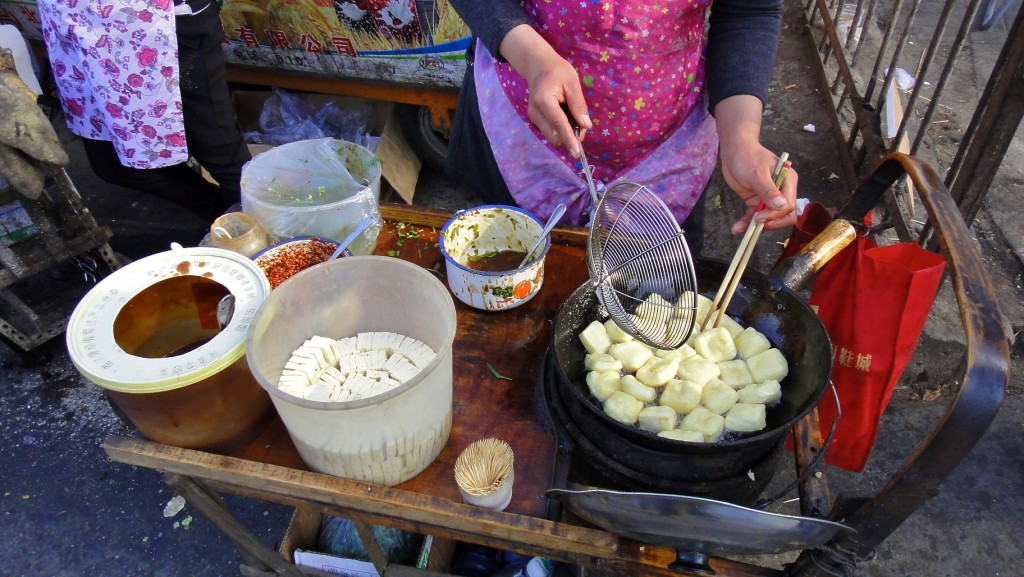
column 986, row 364
column 797, row 270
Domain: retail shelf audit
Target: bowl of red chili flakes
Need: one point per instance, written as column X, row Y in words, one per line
column 283, row 260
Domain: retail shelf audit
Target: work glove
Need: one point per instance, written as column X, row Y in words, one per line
column 26, row 136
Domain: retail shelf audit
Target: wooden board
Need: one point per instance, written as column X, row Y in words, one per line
column 496, row 363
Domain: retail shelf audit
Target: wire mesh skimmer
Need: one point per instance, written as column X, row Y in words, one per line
column 641, row 266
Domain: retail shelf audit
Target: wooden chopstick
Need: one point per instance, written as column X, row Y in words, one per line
column 743, row 252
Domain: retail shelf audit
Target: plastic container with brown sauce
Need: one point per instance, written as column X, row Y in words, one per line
column 150, row 336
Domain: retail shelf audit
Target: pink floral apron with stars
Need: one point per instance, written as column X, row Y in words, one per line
column 642, row 72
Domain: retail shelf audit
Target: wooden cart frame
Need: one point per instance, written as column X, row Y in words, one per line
column 268, row 468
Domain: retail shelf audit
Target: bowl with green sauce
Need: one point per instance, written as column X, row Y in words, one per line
column 483, row 248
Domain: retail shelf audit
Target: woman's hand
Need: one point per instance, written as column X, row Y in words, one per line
column 551, row 81
column 748, row 166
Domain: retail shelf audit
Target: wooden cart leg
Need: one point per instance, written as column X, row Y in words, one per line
column 253, row 551
column 371, row 546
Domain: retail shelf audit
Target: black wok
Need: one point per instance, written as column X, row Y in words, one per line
column 776, row 311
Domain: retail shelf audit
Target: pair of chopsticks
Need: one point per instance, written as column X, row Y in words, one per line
column 746, row 248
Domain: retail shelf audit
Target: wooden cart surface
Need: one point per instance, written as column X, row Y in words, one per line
column 497, row 361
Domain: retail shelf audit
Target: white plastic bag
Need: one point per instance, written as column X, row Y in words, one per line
column 321, row 187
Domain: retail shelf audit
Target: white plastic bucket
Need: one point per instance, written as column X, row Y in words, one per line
column 385, row 439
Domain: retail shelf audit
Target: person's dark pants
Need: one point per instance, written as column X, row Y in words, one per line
column 211, row 131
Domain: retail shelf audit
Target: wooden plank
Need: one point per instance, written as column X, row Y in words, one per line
column 414, row 512
column 250, row 546
column 434, row 514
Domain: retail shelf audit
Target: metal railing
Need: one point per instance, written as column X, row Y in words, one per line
column 897, row 78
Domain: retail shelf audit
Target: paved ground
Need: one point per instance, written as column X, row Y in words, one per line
column 68, row 510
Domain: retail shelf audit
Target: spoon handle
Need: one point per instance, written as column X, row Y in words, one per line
column 552, row 221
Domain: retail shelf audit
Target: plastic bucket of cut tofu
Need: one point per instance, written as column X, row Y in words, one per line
column 388, row 438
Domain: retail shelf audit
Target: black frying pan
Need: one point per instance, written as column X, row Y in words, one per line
column 777, row 312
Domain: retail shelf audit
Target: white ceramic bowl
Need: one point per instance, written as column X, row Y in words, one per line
column 476, row 232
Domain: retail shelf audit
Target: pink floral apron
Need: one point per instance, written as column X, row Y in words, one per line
column 116, row 66
column 641, row 67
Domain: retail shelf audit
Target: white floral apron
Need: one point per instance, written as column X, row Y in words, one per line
column 116, row 65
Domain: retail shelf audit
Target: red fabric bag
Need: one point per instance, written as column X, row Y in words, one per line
column 873, row 302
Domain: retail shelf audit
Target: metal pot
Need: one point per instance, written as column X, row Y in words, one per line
column 776, row 311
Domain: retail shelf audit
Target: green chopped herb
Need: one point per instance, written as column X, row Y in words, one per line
column 393, row 253
column 497, row 374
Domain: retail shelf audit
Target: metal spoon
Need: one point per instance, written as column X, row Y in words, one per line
column 225, row 310
column 555, row 216
column 358, row 230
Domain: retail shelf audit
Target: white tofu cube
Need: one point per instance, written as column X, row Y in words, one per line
column 730, row 325
column 768, row 365
column 603, row 383
column 745, row 418
column 698, row 369
column 657, row 371
column 345, row 346
column 654, row 307
column 623, row 407
column 616, row 334
column 632, row 354
column 735, row 373
column 317, row 392
column 642, row 392
column 682, row 396
column 681, row 354
column 686, row 304
column 703, row 306
column 311, row 353
column 364, row 341
column 683, row 435
column 601, row 362
column 295, row 390
column 653, row 328
column 715, row 345
column 693, row 334
column 703, row 421
column 657, row 419
column 765, row 393
column 595, row 338
column 718, row 397
column 675, row 330
column 750, row 342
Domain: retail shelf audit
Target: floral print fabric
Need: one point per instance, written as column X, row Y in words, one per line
column 641, row 68
column 116, row 67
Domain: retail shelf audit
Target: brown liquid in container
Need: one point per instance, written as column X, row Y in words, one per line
column 497, row 262
column 218, row 412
